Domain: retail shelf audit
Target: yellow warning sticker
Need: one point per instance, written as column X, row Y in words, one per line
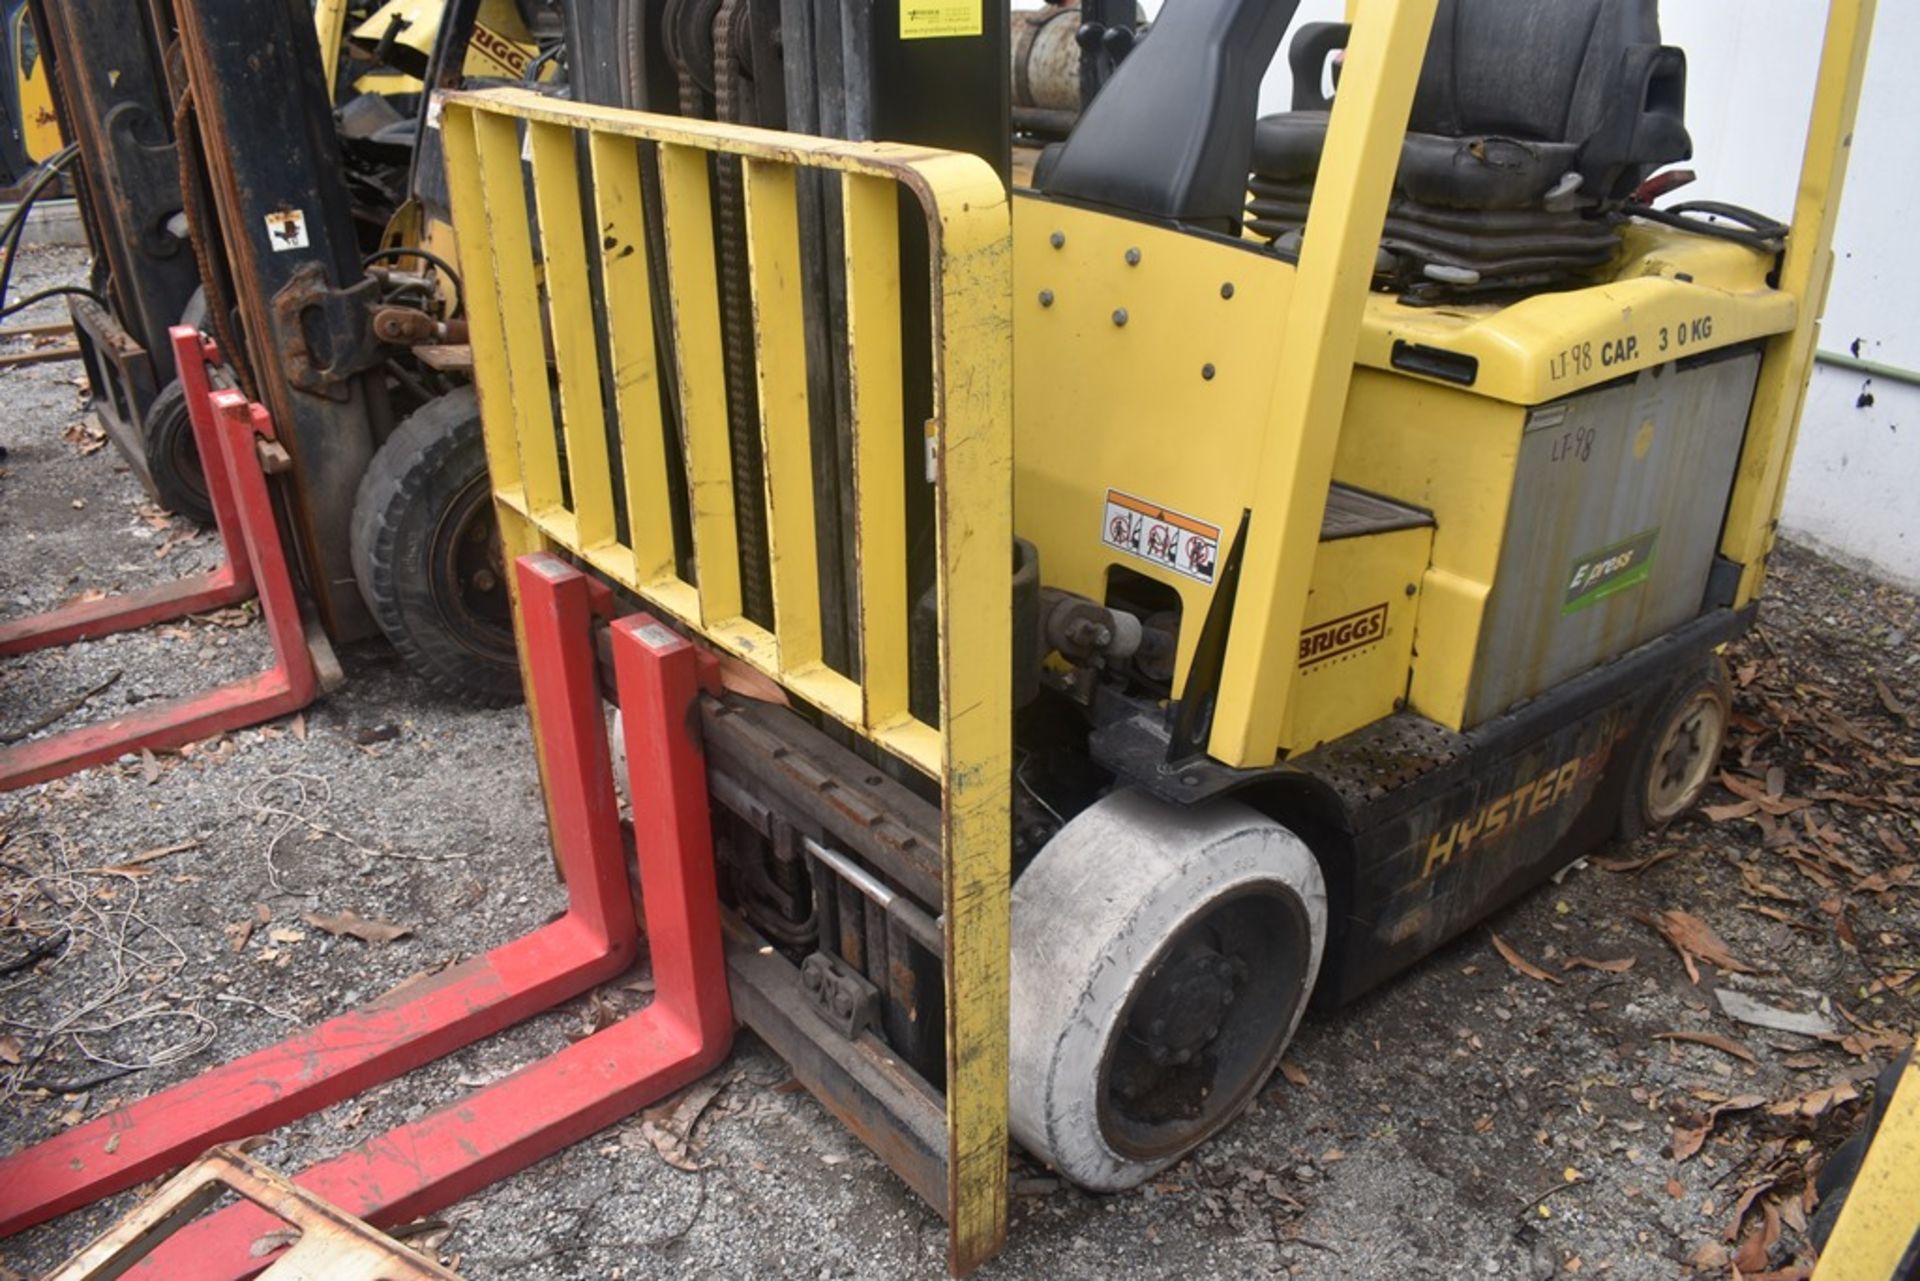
column 933, row 19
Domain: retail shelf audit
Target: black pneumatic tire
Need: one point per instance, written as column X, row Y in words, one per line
column 1680, row 751
column 173, row 456
column 426, row 554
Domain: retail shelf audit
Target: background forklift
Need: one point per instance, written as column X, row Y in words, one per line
column 244, row 204
column 29, row 126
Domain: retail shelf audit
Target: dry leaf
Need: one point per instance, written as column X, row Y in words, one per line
column 1757, row 884
column 1726, row 813
column 1745, row 1203
column 1521, row 963
column 1638, row 864
column 1688, row 1139
column 1890, row 982
column 1757, row 793
column 1723, row 1044
column 10, row 1049
column 299, row 726
column 1881, row 882
column 350, row 923
column 1814, row 1102
column 1296, row 1077
column 149, row 767
column 1620, row 966
column 669, row 1126
column 1692, row 937
column 1751, row 1257
column 1887, row 700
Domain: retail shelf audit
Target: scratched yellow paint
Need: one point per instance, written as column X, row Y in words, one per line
column 970, row 450
column 1881, row 1219
column 1760, row 484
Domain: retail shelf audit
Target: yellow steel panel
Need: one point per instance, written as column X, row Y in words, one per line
column 1354, row 653
column 620, row 216
column 1311, row 376
column 1760, row 484
column 509, row 245
column 570, row 321
column 1554, row 344
column 871, row 212
column 1881, row 1218
column 1453, row 453
column 1168, row 407
column 780, row 364
column 694, row 294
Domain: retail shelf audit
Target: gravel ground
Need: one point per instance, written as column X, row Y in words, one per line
column 1467, row 1120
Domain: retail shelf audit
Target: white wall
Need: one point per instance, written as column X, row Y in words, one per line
column 1854, row 490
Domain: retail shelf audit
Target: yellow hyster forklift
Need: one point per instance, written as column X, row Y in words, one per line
column 1204, row 580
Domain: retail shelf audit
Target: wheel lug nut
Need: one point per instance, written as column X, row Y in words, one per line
column 1213, row 1031
column 1181, row 1056
column 483, row 580
column 1157, row 1028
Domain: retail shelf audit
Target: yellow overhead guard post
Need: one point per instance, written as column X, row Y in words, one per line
column 1314, row 369
column 1805, row 274
column 542, row 270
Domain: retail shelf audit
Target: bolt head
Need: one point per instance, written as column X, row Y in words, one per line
column 1226, row 289
column 1119, row 315
column 1046, row 297
column 1133, row 257
column 1057, row 239
column 1206, row 372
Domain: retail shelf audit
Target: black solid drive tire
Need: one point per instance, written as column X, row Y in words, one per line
column 426, row 554
column 1161, row 960
column 173, row 456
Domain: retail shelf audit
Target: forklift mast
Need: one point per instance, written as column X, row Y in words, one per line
column 109, row 72
column 273, row 162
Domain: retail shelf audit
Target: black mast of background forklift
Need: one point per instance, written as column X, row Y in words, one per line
column 273, row 163
column 110, row 82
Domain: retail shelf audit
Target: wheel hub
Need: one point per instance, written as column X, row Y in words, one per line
column 1180, row 1011
column 470, row 574
column 1198, row 1035
column 1685, row 755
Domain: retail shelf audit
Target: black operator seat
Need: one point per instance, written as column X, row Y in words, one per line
column 1170, row 136
column 1533, row 124
column 1519, row 102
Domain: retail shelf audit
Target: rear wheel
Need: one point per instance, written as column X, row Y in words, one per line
column 1162, row 958
column 426, row 552
column 1680, row 753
